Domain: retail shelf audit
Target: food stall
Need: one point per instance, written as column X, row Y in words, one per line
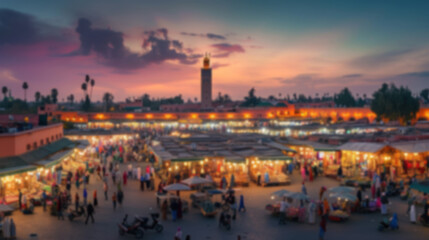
column 269, row 170
column 411, row 158
column 357, row 158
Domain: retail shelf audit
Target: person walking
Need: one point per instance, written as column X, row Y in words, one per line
column 77, row 180
column 340, row 172
column 142, row 183
column 20, row 199
column 179, row 209
column 322, row 229
column 152, row 182
column 95, row 200
column 303, row 188
column 60, row 208
column 68, row 184
column 89, row 213
column 164, row 210
column 44, row 199
column 282, row 211
column 85, row 196
column 312, row 212
column 76, row 201
column 303, row 174
column 174, row 206
column 147, row 178
column 178, row 235
column 232, row 204
column 124, row 178
column 120, row 197
column 384, row 202
column 105, row 188
column 413, row 214
column 241, row 207
column 114, row 200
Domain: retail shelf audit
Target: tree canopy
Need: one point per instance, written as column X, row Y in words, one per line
column 424, row 94
column 251, row 100
column 345, row 98
column 392, row 103
column 221, row 99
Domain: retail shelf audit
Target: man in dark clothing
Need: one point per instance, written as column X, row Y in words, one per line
column 232, row 203
column 340, row 172
column 322, row 230
column 89, row 213
column 120, row 197
column 174, row 206
column 20, row 199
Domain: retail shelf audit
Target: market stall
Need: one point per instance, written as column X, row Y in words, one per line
column 357, row 158
column 269, row 170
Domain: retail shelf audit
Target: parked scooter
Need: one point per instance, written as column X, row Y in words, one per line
column 132, row 229
column 225, row 220
column 389, row 224
column 424, row 220
column 156, row 225
column 74, row 214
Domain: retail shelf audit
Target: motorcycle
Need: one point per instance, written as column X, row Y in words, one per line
column 385, row 225
column 424, row 220
column 156, row 225
column 74, row 214
column 132, row 229
column 225, row 220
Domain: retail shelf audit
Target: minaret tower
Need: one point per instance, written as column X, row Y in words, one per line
column 206, row 84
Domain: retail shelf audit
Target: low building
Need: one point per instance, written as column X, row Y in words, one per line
column 13, row 144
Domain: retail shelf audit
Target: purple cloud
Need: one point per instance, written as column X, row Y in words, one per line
column 109, row 46
column 226, row 49
column 211, row 36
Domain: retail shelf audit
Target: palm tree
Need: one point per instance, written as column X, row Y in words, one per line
column 25, row 87
column 37, row 96
column 84, row 87
column 92, row 86
column 87, row 78
column 107, row 100
column 54, row 95
column 4, row 90
column 71, row 98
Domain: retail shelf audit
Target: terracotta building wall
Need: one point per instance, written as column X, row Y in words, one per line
column 12, row 144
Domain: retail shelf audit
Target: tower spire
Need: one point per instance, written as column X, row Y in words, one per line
column 206, row 61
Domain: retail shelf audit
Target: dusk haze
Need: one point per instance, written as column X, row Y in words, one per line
column 221, row 120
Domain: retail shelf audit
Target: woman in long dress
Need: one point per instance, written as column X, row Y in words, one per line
column 312, row 212
column 6, row 228
column 12, row 229
column 413, row 216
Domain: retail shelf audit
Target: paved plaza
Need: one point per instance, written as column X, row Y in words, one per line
column 255, row 224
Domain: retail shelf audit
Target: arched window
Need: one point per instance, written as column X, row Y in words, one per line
column 34, row 145
column 41, row 142
column 28, row 147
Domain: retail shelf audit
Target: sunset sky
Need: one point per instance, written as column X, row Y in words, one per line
column 131, row 47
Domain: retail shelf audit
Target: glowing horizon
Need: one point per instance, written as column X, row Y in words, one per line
column 156, row 48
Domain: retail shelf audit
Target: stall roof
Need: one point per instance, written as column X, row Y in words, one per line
column 317, row 146
column 55, row 159
column 29, row 161
column 280, row 146
column 233, row 146
column 275, row 158
column 368, row 147
column 187, row 159
column 412, row 146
